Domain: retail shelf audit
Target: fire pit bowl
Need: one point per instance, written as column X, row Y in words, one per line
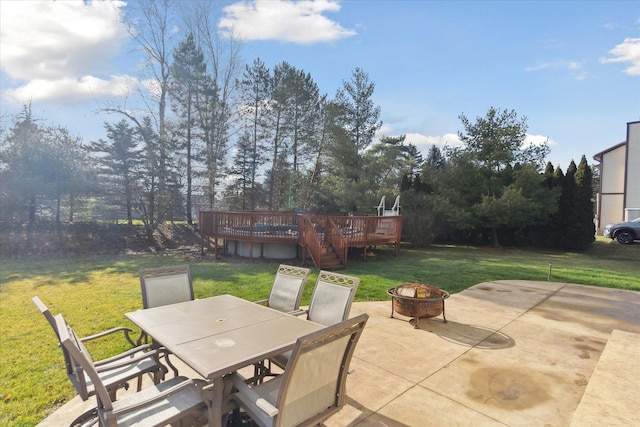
column 418, row 300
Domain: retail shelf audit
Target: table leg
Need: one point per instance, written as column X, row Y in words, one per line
column 216, row 395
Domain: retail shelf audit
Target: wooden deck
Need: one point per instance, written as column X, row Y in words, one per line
column 324, row 238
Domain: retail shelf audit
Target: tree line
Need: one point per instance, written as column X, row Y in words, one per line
column 494, row 190
column 217, row 133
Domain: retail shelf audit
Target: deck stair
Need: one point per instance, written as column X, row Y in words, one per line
column 329, row 259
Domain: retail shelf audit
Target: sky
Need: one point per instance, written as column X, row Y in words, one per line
column 572, row 68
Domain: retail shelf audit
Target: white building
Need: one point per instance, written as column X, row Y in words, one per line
column 619, row 193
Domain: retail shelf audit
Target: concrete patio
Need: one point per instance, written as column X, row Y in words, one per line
column 513, row 353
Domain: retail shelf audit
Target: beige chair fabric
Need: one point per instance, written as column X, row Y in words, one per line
column 161, row 404
column 287, row 288
column 331, row 303
column 165, row 285
column 313, row 385
column 332, row 298
column 115, row 372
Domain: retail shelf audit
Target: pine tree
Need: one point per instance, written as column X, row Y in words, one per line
column 565, row 208
column 255, row 92
column 187, row 73
column 355, row 122
column 118, row 158
column 583, row 211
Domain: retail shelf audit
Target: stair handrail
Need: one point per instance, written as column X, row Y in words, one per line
column 337, row 240
column 312, row 241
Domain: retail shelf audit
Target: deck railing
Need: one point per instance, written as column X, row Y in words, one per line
column 311, row 239
column 336, row 239
column 250, row 226
column 340, row 231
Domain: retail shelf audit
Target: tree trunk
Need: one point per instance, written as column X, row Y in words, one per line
column 494, row 237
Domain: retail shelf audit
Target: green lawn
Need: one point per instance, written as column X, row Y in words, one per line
column 94, row 292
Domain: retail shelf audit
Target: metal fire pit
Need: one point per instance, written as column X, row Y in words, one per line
column 418, row 300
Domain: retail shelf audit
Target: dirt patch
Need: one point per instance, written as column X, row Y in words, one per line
column 42, row 239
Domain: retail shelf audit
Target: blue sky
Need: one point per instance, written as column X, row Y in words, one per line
column 571, row 67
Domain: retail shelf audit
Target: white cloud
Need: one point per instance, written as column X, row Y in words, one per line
column 424, row 141
column 531, row 140
column 69, row 91
column 538, row 67
column 299, row 22
column 452, row 140
column 627, row 51
column 574, row 68
column 61, row 50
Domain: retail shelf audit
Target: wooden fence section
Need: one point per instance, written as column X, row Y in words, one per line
column 315, row 233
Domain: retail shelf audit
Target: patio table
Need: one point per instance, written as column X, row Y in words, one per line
column 218, row 335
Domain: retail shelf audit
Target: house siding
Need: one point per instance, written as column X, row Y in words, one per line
column 618, row 197
column 632, row 190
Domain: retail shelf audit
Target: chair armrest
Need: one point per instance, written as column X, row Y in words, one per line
column 252, row 396
column 122, row 355
column 103, row 367
column 109, row 332
column 184, row 384
column 298, row 312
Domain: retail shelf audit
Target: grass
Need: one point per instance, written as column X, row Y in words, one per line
column 94, row 292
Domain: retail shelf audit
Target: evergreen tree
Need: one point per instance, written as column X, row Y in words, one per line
column 187, row 73
column 566, row 226
column 71, row 175
column 26, row 174
column 118, row 159
column 406, row 183
column 302, row 118
column 435, row 159
column 255, row 91
column 40, row 165
column 582, row 209
column 281, row 92
column 494, row 145
column 355, row 122
column 548, row 175
column 151, row 204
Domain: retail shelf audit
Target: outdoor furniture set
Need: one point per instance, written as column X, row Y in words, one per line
column 217, row 337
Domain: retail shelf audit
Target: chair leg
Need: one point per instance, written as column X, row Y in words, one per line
column 260, row 370
column 88, row 418
column 173, row 368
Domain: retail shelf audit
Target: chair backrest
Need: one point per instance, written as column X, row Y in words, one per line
column 81, row 364
column 313, row 385
column 287, row 288
column 47, row 315
column 332, row 298
column 165, row 285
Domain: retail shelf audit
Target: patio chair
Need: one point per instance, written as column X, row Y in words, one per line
column 162, row 286
column 313, row 385
column 47, row 314
column 165, row 285
column 331, row 303
column 287, row 288
column 115, row 372
column 161, row 404
column 332, row 298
